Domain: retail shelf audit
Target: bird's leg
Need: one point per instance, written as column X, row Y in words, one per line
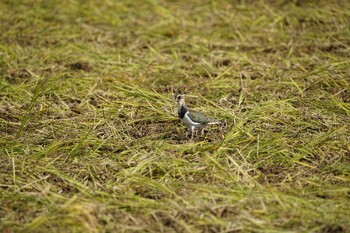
column 192, row 132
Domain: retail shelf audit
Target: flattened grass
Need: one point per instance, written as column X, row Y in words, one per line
column 89, row 136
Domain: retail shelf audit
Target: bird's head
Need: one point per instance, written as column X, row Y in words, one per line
column 180, row 99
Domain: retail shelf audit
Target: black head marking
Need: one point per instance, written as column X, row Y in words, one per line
column 180, row 97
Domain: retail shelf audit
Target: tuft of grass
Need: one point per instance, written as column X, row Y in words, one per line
column 89, row 134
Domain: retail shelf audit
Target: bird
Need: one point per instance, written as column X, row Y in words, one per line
column 192, row 119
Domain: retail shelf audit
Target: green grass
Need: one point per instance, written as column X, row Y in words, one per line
column 89, row 135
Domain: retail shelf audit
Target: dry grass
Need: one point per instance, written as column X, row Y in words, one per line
column 90, row 140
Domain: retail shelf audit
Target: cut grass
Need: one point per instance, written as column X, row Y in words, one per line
column 89, row 135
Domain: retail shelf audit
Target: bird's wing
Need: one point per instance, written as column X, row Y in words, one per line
column 198, row 117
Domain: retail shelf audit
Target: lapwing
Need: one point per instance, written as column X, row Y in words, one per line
column 192, row 119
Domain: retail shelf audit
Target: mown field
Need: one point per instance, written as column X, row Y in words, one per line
column 90, row 140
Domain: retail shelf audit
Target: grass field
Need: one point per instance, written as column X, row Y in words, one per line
column 90, row 140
